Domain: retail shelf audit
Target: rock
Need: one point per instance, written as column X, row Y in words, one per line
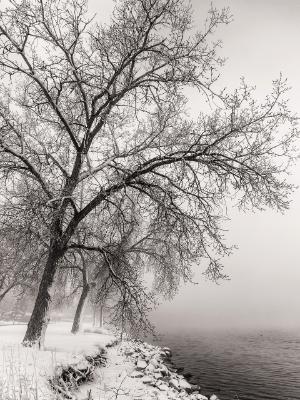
column 172, row 375
column 157, row 375
column 174, row 383
column 141, row 364
column 137, row 374
column 197, row 396
column 163, row 387
column 214, row 397
column 166, row 350
column 183, row 384
column 172, row 395
column 154, row 362
column 182, row 394
column 150, row 368
column 165, row 355
column 164, row 370
column 147, row 380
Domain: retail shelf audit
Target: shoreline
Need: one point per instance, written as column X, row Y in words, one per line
column 155, row 367
column 90, row 366
column 135, row 369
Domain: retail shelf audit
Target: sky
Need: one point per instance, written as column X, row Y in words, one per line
column 263, row 290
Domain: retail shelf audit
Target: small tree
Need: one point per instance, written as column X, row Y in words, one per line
column 101, row 110
column 83, row 267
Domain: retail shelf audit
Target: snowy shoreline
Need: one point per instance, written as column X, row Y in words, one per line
column 153, row 364
column 139, row 370
column 89, row 366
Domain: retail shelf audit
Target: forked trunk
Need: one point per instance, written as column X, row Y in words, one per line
column 79, row 309
column 38, row 322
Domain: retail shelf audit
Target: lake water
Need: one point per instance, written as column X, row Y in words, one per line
column 245, row 366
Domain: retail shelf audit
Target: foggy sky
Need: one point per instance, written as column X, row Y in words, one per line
column 264, row 290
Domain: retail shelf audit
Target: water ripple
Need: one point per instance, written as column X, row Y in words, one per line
column 248, row 366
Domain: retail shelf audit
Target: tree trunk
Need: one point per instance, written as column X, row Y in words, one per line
column 101, row 316
column 94, row 315
column 79, row 309
column 38, row 322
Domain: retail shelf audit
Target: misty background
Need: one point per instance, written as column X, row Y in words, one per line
column 263, row 290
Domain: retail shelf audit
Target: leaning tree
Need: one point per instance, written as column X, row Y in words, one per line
column 101, row 110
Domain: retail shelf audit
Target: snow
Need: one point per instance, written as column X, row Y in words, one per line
column 115, row 381
column 24, row 372
column 126, row 377
column 131, row 372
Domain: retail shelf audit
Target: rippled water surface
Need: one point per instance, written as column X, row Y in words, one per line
column 245, row 366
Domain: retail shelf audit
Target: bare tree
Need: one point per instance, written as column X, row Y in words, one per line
column 83, row 266
column 108, row 264
column 101, row 109
column 119, row 272
column 116, row 261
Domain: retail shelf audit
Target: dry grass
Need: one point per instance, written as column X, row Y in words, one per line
column 25, row 372
column 22, row 376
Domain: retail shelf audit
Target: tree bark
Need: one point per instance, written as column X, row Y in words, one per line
column 77, row 318
column 38, row 322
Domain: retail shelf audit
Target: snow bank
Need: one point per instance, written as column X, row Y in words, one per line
column 24, row 372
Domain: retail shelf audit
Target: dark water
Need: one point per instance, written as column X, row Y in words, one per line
column 245, row 366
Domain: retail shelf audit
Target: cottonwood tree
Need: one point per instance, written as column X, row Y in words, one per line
column 101, row 108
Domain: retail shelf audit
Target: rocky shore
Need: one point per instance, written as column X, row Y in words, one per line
column 153, row 365
column 127, row 370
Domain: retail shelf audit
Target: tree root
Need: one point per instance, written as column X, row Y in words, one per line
column 67, row 379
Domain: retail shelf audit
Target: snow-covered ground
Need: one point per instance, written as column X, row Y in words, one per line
column 139, row 371
column 24, row 372
column 134, row 370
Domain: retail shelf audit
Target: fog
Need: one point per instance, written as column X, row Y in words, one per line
column 263, row 290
